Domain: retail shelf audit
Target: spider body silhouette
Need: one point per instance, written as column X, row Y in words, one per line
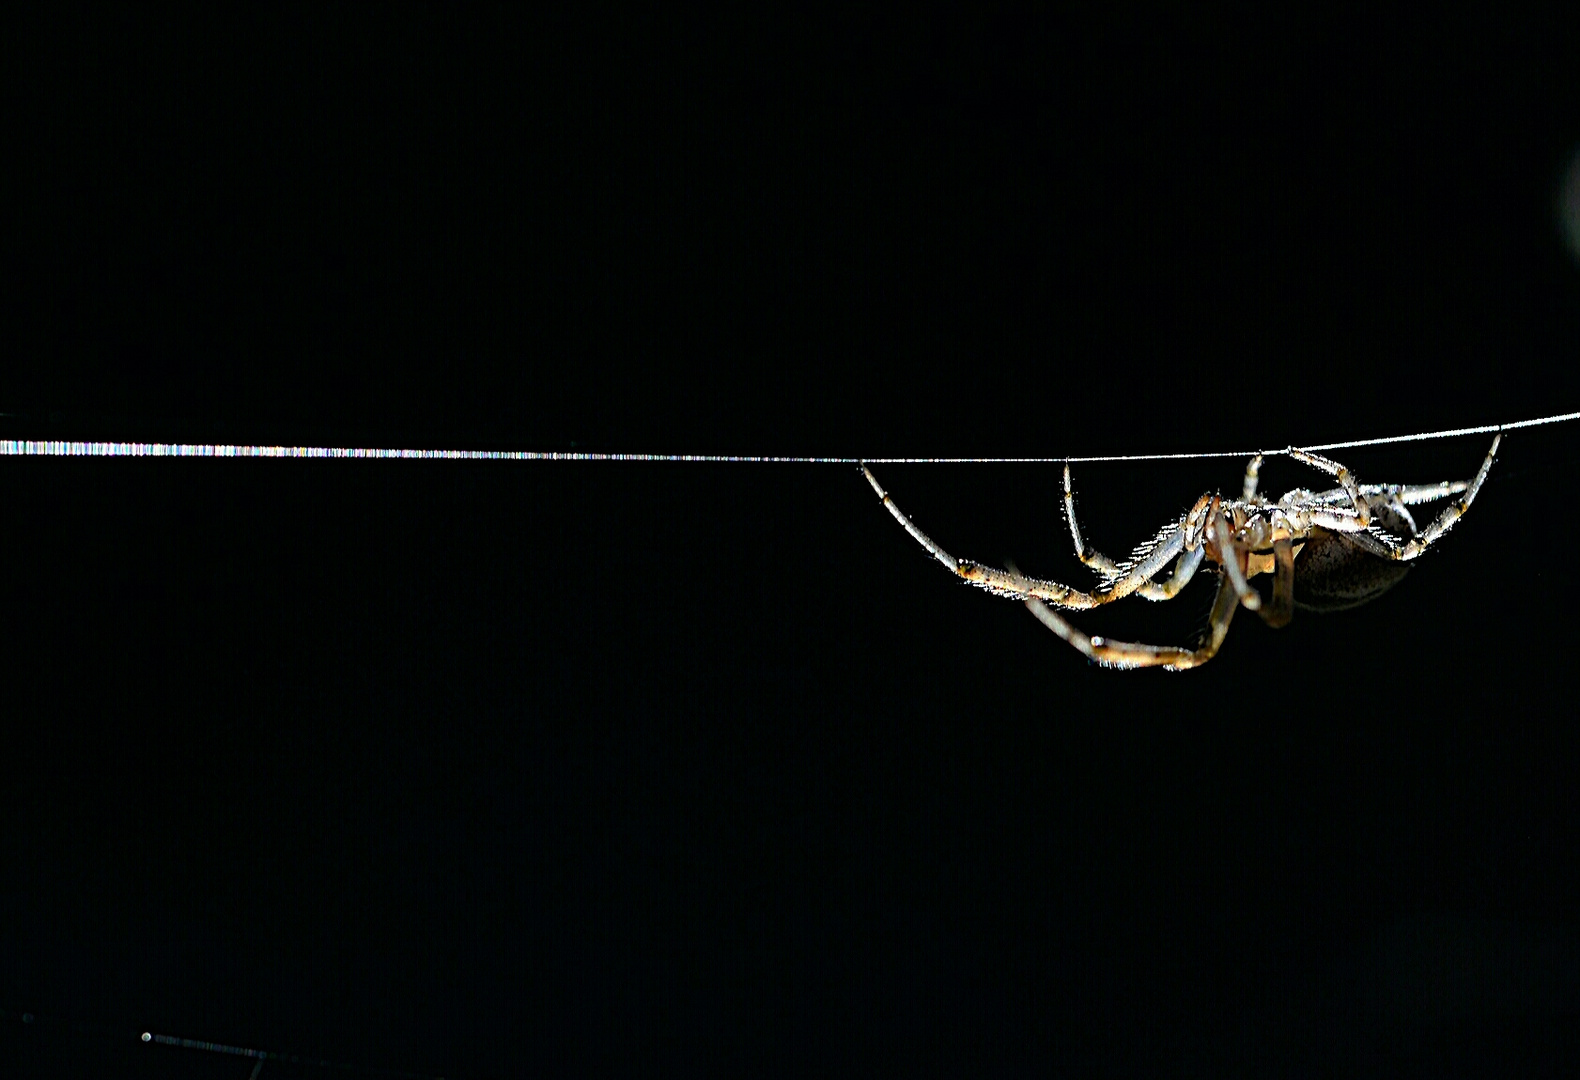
column 1326, row 550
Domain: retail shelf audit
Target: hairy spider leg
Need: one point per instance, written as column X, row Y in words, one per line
column 1388, row 549
column 1415, row 494
column 1088, row 555
column 1277, row 613
column 1253, row 470
column 1129, row 654
column 1282, row 607
column 1112, row 573
column 1232, row 560
column 1363, row 513
column 1165, row 546
column 1388, row 506
column 1392, row 502
column 1396, row 494
column 999, row 582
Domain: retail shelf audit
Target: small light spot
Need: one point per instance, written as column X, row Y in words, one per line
column 147, row 1037
column 27, row 1018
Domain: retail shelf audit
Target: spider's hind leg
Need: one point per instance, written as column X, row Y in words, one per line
column 1390, row 511
column 1443, row 522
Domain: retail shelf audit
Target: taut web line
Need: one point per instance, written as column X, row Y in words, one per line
column 61, row 448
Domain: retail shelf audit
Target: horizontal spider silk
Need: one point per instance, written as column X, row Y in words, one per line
column 1327, row 550
column 1339, row 548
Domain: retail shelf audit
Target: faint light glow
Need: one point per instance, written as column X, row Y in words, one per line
column 269, row 1055
column 1569, row 204
column 214, row 1047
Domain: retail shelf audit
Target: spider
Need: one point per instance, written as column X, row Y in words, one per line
column 1341, row 546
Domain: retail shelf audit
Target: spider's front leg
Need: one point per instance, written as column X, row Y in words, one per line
column 1116, row 578
column 998, row 582
column 1130, row 654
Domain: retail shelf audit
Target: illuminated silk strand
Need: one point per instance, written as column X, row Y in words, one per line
column 61, row 448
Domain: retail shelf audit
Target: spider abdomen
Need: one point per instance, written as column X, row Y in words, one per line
column 1333, row 573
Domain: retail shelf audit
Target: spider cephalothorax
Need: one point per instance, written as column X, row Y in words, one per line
column 1327, row 550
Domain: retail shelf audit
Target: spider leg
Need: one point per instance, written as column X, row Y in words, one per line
column 1439, row 525
column 1282, row 608
column 1414, row 494
column 1253, row 470
column 1184, row 567
column 1169, row 542
column 1234, row 570
column 1396, row 495
column 1088, row 555
column 1127, row 654
column 1346, row 481
column 999, row 582
column 1390, row 511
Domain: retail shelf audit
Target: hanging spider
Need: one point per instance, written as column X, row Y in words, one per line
column 1340, row 547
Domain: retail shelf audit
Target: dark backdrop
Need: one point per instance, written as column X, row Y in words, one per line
column 471, row 769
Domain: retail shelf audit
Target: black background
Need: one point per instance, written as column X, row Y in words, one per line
column 470, row 769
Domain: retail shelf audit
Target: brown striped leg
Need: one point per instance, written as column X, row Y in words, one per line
column 999, row 582
column 1253, row 470
column 1115, row 577
column 1282, row 608
column 1346, row 481
column 1127, row 654
column 1439, row 525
